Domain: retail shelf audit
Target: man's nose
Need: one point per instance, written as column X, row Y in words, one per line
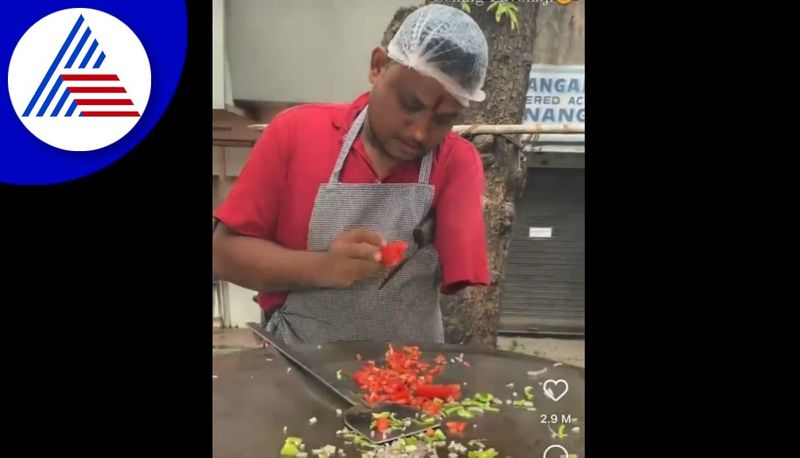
column 418, row 129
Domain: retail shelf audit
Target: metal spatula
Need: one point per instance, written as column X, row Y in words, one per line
column 359, row 416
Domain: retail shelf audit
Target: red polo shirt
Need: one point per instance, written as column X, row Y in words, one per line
column 273, row 196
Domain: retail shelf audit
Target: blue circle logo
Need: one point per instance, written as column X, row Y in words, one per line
column 86, row 85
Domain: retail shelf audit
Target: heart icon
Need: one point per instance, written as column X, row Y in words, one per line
column 549, row 391
column 556, row 447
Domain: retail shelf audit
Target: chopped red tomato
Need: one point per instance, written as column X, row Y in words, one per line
column 444, row 392
column 382, row 424
column 440, row 359
column 392, row 253
column 405, row 379
column 456, row 427
column 433, row 407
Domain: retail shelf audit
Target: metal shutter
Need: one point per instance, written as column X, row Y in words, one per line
column 543, row 291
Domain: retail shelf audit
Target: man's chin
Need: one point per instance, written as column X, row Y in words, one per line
column 405, row 156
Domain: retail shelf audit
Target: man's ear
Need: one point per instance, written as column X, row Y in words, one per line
column 377, row 64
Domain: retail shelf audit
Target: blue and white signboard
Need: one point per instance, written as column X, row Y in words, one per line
column 555, row 96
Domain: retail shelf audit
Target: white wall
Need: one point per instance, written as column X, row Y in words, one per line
column 218, row 54
column 304, row 50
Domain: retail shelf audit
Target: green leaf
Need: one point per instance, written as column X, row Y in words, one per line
column 471, row 402
column 362, row 442
column 438, row 435
column 425, row 421
column 528, row 393
column 561, row 431
column 476, row 443
column 465, row 7
column 484, row 397
column 290, row 447
column 490, row 453
column 499, row 13
column 411, row 441
column 494, row 4
column 289, row 450
column 464, row 413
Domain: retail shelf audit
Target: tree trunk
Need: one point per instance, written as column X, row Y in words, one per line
column 471, row 316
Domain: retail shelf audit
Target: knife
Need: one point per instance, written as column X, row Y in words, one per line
column 423, row 236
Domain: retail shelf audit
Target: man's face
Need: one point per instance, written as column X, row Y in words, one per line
column 409, row 113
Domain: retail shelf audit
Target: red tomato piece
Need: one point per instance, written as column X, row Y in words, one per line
column 392, row 253
column 382, row 424
column 456, row 427
column 443, row 392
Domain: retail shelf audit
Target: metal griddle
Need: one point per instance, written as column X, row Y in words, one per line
column 359, row 416
column 257, row 402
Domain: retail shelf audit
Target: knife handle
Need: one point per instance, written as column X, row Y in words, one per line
column 424, row 232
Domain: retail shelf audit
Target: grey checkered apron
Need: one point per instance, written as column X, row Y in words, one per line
column 407, row 308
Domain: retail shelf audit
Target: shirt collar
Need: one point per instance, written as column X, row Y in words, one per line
column 344, row 119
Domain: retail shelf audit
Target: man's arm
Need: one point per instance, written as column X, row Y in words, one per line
column 460, row 231
column 262, row 265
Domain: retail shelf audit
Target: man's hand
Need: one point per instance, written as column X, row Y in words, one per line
column 353, row 256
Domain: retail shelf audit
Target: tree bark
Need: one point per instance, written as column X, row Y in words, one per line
column 471, row 316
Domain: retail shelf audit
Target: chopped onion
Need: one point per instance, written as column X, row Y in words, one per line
column 536, row 373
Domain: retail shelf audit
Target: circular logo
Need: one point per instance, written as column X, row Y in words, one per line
column 88, row 81
column 79, row 79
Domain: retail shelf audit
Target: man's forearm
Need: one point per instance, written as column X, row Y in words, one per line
column 262, row 265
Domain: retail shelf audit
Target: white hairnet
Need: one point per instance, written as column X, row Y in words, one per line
column 446, row 44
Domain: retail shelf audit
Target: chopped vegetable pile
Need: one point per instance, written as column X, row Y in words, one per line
column 406, row 380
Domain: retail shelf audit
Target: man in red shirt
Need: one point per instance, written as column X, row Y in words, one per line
column 327, row 185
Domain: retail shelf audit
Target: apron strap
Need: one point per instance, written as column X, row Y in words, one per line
column 350, row 138
column 425, row 168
